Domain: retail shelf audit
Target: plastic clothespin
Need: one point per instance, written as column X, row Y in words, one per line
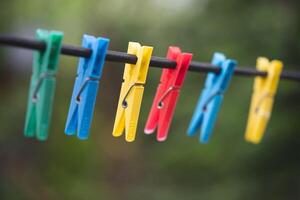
column 42, row 85
column 167, row 94
column 261, row 105
column 211, row 97
column 86, row 87
column 132, row 92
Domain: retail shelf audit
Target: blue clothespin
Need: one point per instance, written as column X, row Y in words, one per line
column 211, row 97
column 86, row 87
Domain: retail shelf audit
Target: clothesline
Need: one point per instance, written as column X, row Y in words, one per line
column 94, row 52
column 123, row 57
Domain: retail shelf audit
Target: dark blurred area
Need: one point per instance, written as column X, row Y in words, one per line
column 109, row 168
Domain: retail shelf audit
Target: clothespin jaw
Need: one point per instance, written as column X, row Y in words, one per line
column 86, row 87
column 42, row 85
column 167, row 94
column 264, row 91
column 132, row 92
column 211, row 98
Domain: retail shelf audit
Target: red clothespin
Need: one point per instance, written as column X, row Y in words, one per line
column 167, row 93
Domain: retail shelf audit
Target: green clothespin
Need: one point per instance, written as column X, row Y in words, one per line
column 42, row 85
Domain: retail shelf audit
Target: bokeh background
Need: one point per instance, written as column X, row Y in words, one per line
column 104, row 167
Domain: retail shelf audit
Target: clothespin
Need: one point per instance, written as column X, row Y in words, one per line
column 132, row 92
column 42, row 85
column 211, row 97
column 167, row 94
column 264, row 90
column 86, row 87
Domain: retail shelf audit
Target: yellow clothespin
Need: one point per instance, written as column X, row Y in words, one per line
column 262, row 99
column 132, row 91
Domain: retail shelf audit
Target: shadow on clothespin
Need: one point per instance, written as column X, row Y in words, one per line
column 211, row 98
column 42, row 85
column 167, row 94
column 86, row 87
column 264, row 90
column 132, row 92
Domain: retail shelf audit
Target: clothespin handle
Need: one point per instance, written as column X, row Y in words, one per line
column 42, row 85
column 132, row 92
column 264, row 90
column 210, row 101
column 86, row 86
column 167, row 94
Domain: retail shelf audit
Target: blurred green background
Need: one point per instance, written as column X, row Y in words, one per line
column 104, row 167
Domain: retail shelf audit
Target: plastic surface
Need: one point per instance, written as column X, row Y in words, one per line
column 132, row 92
column 86, row 87
column 261, row 105
column 211, row 98
column 167, row 94
column 42, row 84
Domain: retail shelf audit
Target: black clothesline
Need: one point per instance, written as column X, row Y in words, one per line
column 122, row 57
